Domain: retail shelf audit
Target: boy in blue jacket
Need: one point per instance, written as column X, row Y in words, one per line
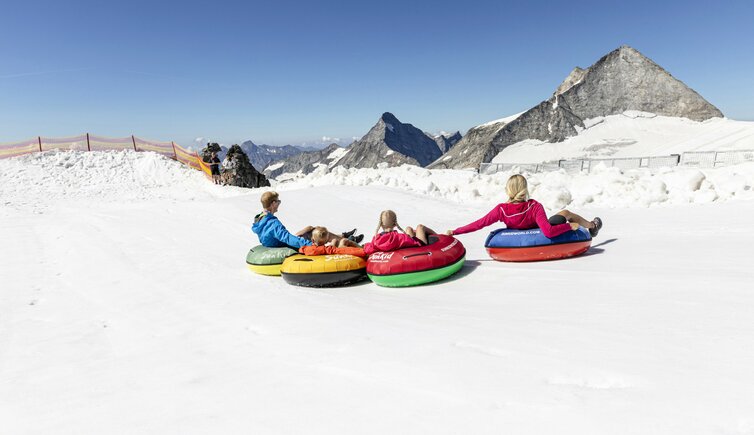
column 271, row 232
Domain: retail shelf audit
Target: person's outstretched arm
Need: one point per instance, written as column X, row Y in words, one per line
column 548, row 230
column 490, row 218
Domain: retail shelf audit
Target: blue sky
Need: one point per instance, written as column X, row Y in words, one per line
column 294, row 72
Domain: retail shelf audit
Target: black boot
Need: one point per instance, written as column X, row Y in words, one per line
column 356, row 239
column 597, row 226
column 348, row 234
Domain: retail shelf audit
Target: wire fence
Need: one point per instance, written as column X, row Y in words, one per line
column 88, row 142
column 700, row 159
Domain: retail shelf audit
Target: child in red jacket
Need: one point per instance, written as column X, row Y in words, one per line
column 391, row 240
column 522, row 213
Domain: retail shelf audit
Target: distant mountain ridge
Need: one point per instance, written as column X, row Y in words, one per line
column 389, row 142
column 445, row 143
column 622, row 80
column 305, row 162
column 261, row 156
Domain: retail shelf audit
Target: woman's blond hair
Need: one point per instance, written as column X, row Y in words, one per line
column 517, row 189
column 388, row 221
column 320, row 236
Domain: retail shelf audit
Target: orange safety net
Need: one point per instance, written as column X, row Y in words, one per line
column 164, row 148
column 101, row 143
column 75, row 143
column 15, row 149
column 87, row 142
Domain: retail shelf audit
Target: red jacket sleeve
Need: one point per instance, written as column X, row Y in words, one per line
column 548, row 230
column 490, row 218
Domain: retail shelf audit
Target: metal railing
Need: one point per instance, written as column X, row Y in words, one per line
column 700, row 159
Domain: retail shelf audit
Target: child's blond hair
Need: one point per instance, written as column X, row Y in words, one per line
column 320, row 236
column 388, row 221
column 517, row 189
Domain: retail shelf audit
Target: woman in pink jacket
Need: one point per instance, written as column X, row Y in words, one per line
column 522, row 213
column 391, row 240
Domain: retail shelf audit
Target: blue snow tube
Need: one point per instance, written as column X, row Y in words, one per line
column 531, row 245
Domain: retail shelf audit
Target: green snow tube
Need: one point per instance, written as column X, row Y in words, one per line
column 267, row 261
column 417, row 278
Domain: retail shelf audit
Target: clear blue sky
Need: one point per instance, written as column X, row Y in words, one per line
column 282, row 72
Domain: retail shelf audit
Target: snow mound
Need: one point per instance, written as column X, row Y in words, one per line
column 603, row 187
column 42, row 178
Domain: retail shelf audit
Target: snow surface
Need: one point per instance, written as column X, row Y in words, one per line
column 336, row 155
column 274, row 166
column 505, row 120
column 126, row 307
column 636, row 134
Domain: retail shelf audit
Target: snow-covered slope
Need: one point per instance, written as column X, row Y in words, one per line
column 139, row 315
column 636, row 134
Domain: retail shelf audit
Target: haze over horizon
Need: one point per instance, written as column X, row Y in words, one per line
column 302, row 73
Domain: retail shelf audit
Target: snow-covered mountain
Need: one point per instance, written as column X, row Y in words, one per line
column 392, row 142
column 635, row 134
column 623, row 80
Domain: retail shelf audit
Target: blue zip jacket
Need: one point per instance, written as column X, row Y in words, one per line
column 273, row 234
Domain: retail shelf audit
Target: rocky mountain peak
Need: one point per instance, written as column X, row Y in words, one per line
column 394, row 142
column 622, row 80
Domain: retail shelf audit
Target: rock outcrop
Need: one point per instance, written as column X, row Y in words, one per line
column 238, row 170
column 622, row 80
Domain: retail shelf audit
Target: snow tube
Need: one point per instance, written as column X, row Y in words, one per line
column 323, row 270
column 442, row 257
column 531, row 245
column 267, row 261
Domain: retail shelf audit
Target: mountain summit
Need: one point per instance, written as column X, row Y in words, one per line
column 393, row 142
column 622, row 80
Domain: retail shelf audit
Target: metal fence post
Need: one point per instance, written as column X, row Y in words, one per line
column 134, row 141
column 88, row 147
column 39, row 138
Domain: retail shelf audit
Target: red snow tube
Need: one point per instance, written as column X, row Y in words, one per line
column 442, row 251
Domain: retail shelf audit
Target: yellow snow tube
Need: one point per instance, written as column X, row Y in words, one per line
column 267, row 269
column 323, row 270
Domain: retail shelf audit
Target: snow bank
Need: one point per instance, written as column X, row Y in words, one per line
column 41, row 178
column 603, row 187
